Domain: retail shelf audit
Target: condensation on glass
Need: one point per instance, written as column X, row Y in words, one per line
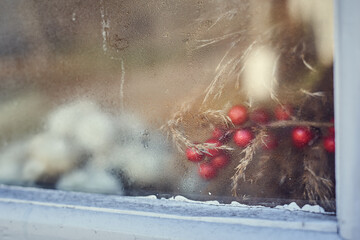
column 227, row 100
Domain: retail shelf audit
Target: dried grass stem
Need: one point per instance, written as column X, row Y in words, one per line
column 248, row 153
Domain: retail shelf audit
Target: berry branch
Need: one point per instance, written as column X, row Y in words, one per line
column 293, row 123
column 253, row 132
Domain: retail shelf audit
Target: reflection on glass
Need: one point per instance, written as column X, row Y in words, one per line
column 226, row 100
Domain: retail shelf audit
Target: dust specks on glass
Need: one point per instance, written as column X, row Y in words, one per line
column 212, row 100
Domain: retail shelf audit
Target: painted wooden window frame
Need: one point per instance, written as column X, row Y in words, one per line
column 27, row 213
column 347, row 113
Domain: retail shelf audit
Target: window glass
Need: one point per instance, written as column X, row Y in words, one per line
column 226, row 100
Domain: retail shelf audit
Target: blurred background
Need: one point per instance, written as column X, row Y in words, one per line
column 116, row 70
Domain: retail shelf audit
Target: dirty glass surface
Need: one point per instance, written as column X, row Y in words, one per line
column 226, row 100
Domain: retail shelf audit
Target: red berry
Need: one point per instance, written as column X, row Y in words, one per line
column 238, row 114
column 301, row 136
column 217, row 133
column 283, row 112
column 194, row 155
column 220, row 161
column 242, row 137
column 215, row 143
column 207, row 171
column 260, row 116
column 269, row 142
column 329, row 144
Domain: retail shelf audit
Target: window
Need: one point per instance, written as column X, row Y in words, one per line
column 146, row 61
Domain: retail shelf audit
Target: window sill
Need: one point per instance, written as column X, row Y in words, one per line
column 29, row 213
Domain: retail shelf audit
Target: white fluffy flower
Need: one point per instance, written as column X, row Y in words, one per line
column 90, row 180
column 84, row 122
column 146, row 159
column 51, row 155
column 95, row 132
column 62, row 121
column 11, row 162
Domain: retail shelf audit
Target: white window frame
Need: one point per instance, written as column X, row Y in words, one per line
column 27, row 213
column 347, row 113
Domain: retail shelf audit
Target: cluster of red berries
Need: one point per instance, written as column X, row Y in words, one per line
column 301, row 137
column 218, row 158
column 242, row 137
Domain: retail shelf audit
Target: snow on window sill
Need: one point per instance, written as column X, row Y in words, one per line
column 43, row 214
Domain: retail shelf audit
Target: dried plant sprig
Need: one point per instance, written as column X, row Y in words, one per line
column 318, row 185
column 301, row 46
column 211, row 41
column 248, row 154
column 172, row 127
column 205, row 147
column 229, row 15
column 218, row 83
column 318, row 189
column 315, row 190
column 274, row 81
column 224, row 71
column 242, row 60
column 236, row 64
column 307, row 64
column 182, row 141
column 312, row 94
column 217, row 117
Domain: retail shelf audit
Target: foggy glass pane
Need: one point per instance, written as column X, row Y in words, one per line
column 226, row 100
